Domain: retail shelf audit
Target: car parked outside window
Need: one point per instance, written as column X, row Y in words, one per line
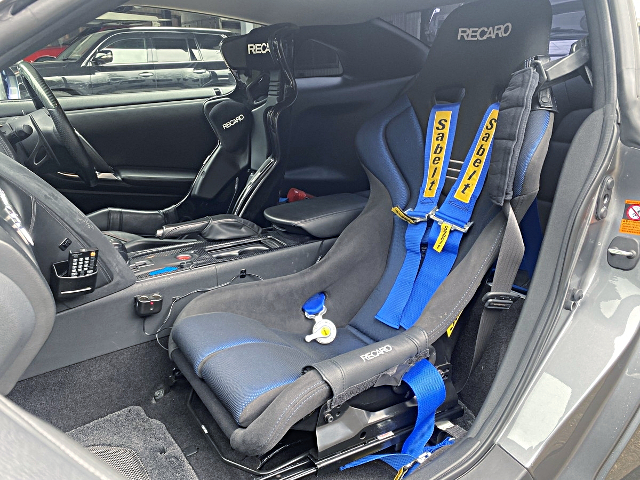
column 138, row 52
column 134, row 59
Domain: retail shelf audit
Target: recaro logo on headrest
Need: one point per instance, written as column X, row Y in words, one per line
column 376, row 353
column 482, row 33
column 257, row 48
column 233, row 121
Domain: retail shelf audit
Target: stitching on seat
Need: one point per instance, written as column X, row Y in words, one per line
column 249, row 342
column 291, row 404
column 306, row 220
column 314, row 386
column 64, row 227
column 113, row 235
column 8, row 151
column 34, row 204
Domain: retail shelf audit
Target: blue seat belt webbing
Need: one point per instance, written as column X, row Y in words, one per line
column 426, row 383
column 452, row 220
column 532, row 237
column 438, row 144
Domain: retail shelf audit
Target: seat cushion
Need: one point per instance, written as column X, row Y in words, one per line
column 246, row 364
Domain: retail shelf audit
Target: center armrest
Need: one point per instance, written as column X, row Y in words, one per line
column 320, row 217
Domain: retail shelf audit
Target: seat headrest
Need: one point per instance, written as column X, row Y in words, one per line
column 232, row 122
column 477, row 48
column 251, row 51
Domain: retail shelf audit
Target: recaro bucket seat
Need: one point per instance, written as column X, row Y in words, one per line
column 243, row 347
column 246, row 125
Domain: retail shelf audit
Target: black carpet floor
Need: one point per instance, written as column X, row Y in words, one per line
column 135, row 445
column 81, row 393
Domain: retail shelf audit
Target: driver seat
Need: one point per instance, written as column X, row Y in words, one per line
column 248, row 360
column 248, row 140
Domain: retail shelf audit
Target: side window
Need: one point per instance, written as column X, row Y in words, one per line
column 314, row 59
column 135, row 48
column 210, row 47
column 173, row 50
column 127, row 51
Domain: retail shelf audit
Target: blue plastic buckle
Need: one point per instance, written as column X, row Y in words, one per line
column 315, row 305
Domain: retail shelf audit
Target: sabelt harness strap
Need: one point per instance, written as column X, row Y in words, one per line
column 438, row 144
column 448, row 224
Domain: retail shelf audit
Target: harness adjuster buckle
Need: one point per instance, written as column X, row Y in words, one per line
column 499, row 300
column 408, row 213
column 432, row 215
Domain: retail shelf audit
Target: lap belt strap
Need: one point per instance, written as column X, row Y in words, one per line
column 438, row 144
column 426, row 382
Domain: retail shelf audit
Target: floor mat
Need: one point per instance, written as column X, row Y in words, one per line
column 75, row 395
column 137, row 446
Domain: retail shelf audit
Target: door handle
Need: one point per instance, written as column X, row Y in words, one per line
column 630, row 254
column 145, row 74
column 200, row 70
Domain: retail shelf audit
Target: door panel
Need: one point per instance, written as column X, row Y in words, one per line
column 157, row 148
column 326, row 117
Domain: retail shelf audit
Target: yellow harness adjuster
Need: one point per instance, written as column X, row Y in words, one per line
column 404, row 215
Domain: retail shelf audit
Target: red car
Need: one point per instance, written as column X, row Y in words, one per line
column 46, row 53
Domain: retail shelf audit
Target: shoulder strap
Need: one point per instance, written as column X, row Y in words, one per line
column 458, row 288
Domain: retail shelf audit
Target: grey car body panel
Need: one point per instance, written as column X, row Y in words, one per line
column 585, row 362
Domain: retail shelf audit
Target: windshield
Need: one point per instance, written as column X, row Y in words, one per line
column 79, row 47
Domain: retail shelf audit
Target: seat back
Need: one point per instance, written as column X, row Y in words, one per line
column 265, row 55
column 243, row 122
column 477, row 49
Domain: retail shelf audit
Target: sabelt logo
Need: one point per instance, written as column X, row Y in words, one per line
column 483, row 33
column 232, row 122
column 376, row 353
column 257, row 48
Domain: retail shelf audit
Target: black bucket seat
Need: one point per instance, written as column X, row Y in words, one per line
column 248, row 359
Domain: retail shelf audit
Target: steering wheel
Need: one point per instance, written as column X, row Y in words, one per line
column 82, row 157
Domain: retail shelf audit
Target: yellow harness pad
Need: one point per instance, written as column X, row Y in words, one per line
column 442, row 126
column 481, row 150
column 445, row 229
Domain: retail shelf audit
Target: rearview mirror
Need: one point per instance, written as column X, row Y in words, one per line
column 103, row 56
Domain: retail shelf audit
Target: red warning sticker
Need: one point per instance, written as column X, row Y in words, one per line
column 631, row 217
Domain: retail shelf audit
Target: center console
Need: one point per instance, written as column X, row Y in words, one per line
column 190, row 255
column 218, row 239
column 176, row 269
